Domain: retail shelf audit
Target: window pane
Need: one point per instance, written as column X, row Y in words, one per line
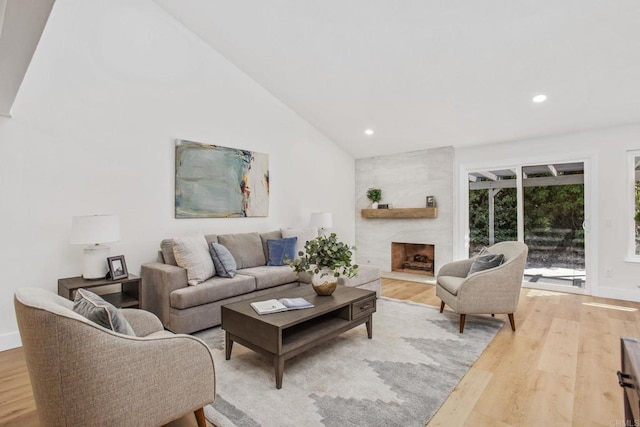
column 553, row 199
column 493, row 208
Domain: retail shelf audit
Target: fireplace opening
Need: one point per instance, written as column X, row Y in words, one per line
column 416, row 258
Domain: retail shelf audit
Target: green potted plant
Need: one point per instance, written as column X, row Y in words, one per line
column 375, row 195
column 325, row 258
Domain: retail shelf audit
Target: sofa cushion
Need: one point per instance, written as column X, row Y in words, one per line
column 99, row 311
column 246, row 248
column 271, row 235
column 366, row 274
column 222, row 260
column 192, row 254
column 281, row 250
column 215, row 289
column 166, row 247
column 268, row 277
column 303, row 235
column 451, row 283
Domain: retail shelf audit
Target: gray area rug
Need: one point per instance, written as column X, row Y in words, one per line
column 399, row 378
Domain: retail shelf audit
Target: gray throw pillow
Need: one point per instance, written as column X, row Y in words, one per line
column 223, row 260
column 485, row 262
column 101, row 312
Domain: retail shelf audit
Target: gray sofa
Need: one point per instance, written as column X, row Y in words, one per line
column 186, row 309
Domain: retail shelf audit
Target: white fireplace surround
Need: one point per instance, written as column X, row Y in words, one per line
column 405, row 180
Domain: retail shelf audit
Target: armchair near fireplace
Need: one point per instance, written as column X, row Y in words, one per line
column 492, row 291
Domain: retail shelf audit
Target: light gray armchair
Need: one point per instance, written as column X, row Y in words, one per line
column 83, row 374
column 492, row 291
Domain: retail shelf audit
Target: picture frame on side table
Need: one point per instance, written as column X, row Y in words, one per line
column 117, row 268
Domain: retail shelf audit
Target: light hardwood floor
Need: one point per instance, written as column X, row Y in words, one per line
column 558, row 368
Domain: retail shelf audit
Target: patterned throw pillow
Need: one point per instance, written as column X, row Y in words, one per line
column 192, row 254
column 101, row 312
column 223, row 260
column 281, row 250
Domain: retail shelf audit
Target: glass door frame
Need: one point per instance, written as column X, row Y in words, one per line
column 461, row 231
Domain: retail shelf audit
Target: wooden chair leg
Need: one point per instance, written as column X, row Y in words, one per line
column 441, row 306
column 513, row 322
column 462, row 319
column 202, row 421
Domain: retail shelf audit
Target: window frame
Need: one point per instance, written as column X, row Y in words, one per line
column 632, row 155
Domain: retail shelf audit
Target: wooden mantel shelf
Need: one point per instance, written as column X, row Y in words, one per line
column 400, row 213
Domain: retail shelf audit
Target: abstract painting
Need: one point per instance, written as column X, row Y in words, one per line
column 220, row 182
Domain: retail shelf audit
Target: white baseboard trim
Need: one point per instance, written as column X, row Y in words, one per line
column 10, row 340
column 618, row 293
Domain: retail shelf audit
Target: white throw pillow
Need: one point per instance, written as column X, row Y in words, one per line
column 303, row 235
column 192, row 254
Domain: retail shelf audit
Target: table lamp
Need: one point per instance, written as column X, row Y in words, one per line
column 322, row 220
column 94, row 230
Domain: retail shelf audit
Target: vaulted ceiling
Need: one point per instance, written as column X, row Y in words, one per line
column 419, row 73
column 427, row 73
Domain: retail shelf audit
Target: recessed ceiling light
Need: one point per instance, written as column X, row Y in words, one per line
column 539, row 98
column 368, row 132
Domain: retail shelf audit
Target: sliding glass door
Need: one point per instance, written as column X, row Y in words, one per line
column 554, row 221
column 542, row 205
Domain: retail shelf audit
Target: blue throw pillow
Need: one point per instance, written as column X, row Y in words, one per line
column 223, row 260
column 281, row 250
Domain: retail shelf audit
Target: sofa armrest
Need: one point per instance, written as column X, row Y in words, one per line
column 304, row 277
column 142, row 322
column 158, row 281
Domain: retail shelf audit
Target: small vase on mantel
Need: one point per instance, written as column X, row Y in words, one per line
column 324, row 282
column 374, row 205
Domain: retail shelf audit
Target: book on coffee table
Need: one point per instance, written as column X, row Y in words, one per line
column 278, row 305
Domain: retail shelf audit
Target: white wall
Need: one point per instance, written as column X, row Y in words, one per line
column 111, row 85
column 607, row 148
column 405, row 180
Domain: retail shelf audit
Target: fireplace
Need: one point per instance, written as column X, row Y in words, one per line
column 417, row 258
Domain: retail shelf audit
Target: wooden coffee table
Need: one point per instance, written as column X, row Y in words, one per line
column 286, row 334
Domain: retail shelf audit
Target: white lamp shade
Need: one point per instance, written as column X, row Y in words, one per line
column 321, row 220
column 95, row 229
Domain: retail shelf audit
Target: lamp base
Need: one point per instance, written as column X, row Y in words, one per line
column 94, row 262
